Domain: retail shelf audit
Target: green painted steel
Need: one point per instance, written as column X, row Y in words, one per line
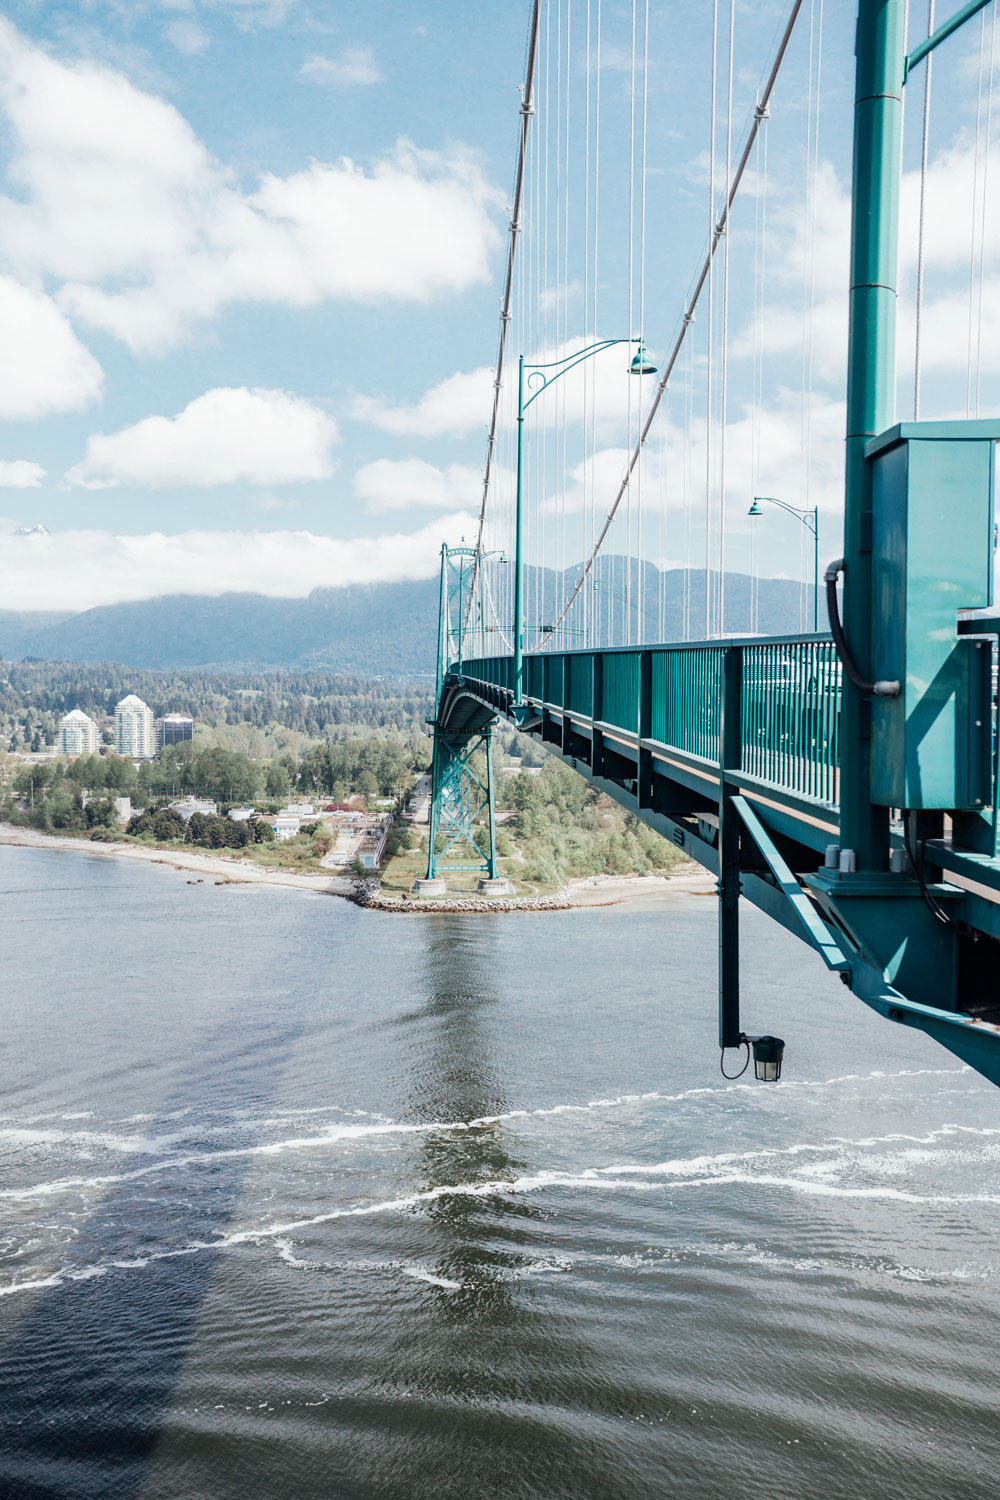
column 933, row 521
column 620, row 690
column 965, row 13
column 580, row 685
column 686, row 684
column 871, row 375
column 791, row 712
column 459, row 795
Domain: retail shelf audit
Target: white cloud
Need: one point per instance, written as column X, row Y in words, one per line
column 457, row 405
column 188, row 37
column 78, row 570
column 20, row 474
column 228, row 435
column 400, row 484
column 354, row 67
column 45, row 367
column 117, row 201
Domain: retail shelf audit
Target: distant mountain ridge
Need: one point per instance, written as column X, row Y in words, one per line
column 384, row 629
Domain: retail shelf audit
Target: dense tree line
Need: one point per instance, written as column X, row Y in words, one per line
column 206, row 829
column 59, row 794
column 35, row 694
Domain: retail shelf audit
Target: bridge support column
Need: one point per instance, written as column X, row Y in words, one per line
column 460, row 796
column 730, row 756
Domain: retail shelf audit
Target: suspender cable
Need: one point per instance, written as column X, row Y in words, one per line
column 986, row 181
column 923, row 209
column 765, row 97
column 710, row 350
column 527, row 110
column 975, row 213
column 723, row 414
column 641, row 636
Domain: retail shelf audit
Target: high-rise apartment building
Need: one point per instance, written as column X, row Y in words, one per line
column 77, row 734
column 172, row 729
column 134, row 728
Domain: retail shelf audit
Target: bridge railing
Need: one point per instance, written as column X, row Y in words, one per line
column 790, row 713
column 671, row 695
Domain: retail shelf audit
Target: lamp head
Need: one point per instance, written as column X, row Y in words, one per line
column 755, row 509
column 641, row 362
column 768, row 1053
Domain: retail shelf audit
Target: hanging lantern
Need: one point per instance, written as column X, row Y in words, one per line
column 768, row 1052
column 641, row 363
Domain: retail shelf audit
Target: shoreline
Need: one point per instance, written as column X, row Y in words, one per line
column 230, row 871
column 632, row 891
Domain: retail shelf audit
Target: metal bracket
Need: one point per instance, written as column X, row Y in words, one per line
column 816, row 931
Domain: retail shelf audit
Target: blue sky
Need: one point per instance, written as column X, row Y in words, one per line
column 250, row 258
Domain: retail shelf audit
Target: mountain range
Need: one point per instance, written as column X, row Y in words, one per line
column 385, row 629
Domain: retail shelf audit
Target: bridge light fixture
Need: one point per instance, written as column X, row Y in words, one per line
column 768, row 1053
column 641, row 362
column 755, row 509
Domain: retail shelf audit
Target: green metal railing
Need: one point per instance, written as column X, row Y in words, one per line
column 686, row 692
column 790, row 702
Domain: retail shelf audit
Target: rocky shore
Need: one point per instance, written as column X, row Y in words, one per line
column 458, row 904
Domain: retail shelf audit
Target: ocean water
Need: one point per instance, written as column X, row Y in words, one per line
column 300, row 1202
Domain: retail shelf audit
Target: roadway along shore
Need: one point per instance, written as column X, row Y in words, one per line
column 596, row 890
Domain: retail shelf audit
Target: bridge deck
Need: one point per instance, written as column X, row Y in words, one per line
column 678, row 734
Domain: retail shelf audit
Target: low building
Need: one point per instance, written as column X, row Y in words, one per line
column 78, row 734
column 188, row 806
column 134, row 728
column 286, row 826
column 172, row 729
column 300, row 810
column 242, row 814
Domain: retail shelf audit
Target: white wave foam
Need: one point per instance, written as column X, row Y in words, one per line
column 339, row 1133
column 419, row 1274
column 590, row 1179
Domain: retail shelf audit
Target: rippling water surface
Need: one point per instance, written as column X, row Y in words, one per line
column 299, row 1202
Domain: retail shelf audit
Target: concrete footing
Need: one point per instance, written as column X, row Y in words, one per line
column 499, row 887
column 422, row 886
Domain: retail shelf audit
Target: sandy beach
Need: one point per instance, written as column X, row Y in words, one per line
column 595, row 890
column 235, row 871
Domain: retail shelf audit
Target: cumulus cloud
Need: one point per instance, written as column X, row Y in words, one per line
column 457, row 405
column 355, row 67
column 45, row 367
column 78, row 570
column 119, row 203
column 228, row 435
column 399, row 484
column 20, row 474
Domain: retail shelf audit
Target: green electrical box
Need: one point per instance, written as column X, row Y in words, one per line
column 932, row 555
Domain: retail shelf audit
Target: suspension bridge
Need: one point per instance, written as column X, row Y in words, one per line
column 844, row 782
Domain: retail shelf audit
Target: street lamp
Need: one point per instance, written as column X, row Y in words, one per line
column 810, row 520
column 538, row 379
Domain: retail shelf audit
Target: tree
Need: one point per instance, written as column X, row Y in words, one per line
column 99, row 813
column 277, row 781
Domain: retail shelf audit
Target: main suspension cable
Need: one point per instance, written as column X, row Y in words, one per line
column 527, row 110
